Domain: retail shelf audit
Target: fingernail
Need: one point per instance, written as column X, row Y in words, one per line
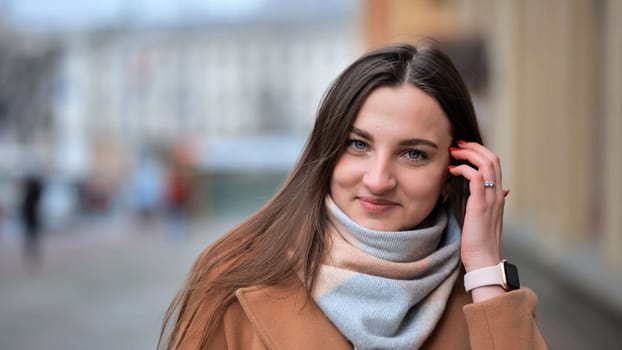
column 460, row 142
column 451, row 149
column 506, row 193
column 451, row 166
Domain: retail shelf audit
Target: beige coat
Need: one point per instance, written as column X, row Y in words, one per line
column 285, row 317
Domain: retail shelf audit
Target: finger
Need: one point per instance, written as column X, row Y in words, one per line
column 491, row 156
column 482, row 195
column 488, row 154
column 485, row 166
column 476, row 181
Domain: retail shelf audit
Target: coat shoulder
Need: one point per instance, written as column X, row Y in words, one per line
column 286, row 317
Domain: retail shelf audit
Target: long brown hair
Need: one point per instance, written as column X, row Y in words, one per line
column 286, row 236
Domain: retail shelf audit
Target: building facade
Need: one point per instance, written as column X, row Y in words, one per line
column 133, row 88
column 551, row 109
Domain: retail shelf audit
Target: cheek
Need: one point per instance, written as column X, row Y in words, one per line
column 428, row 184
column 346, row 173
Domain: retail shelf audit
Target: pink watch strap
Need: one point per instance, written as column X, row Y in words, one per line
column 485, row 276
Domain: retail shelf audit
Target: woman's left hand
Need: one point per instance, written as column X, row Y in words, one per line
column 483, row 220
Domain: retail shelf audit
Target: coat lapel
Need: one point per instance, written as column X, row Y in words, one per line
column 286, row 318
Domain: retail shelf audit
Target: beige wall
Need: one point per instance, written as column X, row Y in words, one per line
column 407, row 20
column 554, row 101
column 544, row 83
column 612, row 136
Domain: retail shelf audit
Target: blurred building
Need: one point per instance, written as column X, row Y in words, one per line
column 27, row 67
column 550, row 107
column 143, row 86
column 92, row 101
column 27, row 127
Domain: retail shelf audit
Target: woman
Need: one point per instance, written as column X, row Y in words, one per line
column 366, row 244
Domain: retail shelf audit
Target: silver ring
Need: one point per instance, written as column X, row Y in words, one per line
column 489, row 184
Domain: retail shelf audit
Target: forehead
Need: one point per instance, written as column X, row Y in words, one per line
column 404, row 111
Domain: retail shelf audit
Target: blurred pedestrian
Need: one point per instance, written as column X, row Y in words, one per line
column 147, row 190
column 30, row 214
column 178, row 200
column 97, row 194
column 386, row 235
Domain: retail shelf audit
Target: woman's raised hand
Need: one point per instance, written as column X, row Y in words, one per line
column 483, row 221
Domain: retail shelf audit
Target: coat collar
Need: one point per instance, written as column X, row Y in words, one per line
column 285, row 317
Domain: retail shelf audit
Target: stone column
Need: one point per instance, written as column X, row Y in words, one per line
column 612, row 132
column 544, row 88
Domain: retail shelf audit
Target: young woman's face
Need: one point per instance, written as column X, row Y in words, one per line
column 394, row 166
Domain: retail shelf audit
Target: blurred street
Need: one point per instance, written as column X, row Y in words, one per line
column 106, row 285
column 568, row 318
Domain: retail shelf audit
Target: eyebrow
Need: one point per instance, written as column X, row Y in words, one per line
column 409, row 142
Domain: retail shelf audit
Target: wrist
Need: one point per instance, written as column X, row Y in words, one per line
column 503, row 274
column 480, row 262
column 482, row 293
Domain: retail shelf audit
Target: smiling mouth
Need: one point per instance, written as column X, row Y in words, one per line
column 376, row 205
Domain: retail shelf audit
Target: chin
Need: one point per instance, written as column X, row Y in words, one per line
column 378, row 226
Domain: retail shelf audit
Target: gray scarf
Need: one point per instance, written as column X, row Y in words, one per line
column 387, row 290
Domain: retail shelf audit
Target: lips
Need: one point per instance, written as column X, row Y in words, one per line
column 377, row 205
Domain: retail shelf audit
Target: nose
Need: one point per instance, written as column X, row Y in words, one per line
column 379, row 177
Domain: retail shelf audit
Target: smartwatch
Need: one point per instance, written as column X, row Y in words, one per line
column 503, row 274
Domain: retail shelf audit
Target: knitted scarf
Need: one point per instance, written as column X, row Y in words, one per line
column 387, row 290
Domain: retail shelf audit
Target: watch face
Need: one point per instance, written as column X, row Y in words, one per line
column 511, row 275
